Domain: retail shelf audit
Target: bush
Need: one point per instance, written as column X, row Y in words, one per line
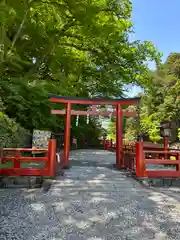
column 11, row 133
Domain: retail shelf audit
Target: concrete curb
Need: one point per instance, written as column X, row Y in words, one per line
column 159, row 182
column 21, row 182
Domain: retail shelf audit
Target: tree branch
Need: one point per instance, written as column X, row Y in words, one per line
column 81, row 48
column 20, row 28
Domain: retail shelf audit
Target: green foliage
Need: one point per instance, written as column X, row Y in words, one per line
column 112, row 129
column 173, row 65
column 161, row 100
column 77, row 48
column 11, row 133
column 179, row 133
column 131, row 130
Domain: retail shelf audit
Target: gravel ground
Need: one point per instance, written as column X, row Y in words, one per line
column 90, row 202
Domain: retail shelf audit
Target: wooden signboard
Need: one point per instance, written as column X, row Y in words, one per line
column 40, row 139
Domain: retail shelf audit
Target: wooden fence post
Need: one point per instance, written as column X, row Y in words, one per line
column 17, row 163
column 52, row 157
column 140, row 161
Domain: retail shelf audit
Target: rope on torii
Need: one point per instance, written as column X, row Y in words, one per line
column 94, row 111
column 77, row 120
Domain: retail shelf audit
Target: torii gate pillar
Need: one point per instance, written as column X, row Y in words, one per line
column 67, row 134
column 119, row 136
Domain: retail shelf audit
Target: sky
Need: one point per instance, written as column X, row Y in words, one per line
column 157, row 21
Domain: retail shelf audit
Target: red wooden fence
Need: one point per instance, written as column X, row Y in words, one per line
column 136, row 158
column 15, row 155
column 144, row 157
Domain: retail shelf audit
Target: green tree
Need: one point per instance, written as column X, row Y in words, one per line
column 77, row 48
column 112, row 129
column 173, row 65
column 161, row 101
column 11, row 133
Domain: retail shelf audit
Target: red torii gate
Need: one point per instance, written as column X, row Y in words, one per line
column 118, row 113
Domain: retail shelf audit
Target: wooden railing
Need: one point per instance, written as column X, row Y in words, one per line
column 129, row 160
column 137, row 157
column 146, row 156
column 14, row 156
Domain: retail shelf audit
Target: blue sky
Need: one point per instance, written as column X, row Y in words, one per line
column 157, row 21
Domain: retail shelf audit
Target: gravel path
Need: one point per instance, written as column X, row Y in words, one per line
column 90, row 202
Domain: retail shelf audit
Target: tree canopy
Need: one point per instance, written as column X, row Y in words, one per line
column 160, row 101
column 78, row 48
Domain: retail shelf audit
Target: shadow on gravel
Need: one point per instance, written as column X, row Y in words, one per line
column 90, row 202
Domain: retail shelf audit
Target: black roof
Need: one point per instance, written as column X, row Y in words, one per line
column 93, row 99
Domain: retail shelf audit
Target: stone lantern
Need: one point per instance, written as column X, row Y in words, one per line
column 165, row 131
